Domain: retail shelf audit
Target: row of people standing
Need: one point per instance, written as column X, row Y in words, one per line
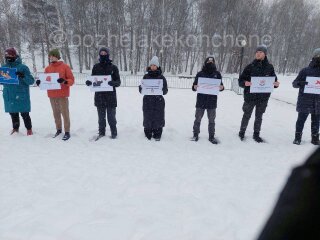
column 260, row 67
column 17, row 97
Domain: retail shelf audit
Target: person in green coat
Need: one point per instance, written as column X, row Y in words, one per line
column 17, row 97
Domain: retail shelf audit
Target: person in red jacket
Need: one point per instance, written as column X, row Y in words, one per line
column 59, row 98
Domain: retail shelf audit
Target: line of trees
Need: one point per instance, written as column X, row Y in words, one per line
column 123, row 25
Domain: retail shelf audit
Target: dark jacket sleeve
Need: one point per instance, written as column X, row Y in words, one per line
column 195, row 82
column 140, row 88
column 296, row 213
column 274, row 75
column 245, row 76
column 300, row 78
column 116, row 77
column 220, row 77
column 93, row 72
column 165, row 85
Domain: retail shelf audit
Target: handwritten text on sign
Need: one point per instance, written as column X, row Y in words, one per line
column 210, row 86
column 152, row 86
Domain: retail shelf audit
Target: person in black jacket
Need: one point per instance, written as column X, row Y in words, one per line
column 154, row 105
column 205, row 101
column 296, row 214
column 308, row 103
column 106, row 102
column 260, row 67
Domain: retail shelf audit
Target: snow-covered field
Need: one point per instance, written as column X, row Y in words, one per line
column 134, row 189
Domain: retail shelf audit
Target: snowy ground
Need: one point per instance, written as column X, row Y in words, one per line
column 133, row 189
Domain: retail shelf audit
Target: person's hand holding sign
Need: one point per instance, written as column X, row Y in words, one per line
column 247, row 83
column 88, row 83
column 276, row 84
column 20, row 74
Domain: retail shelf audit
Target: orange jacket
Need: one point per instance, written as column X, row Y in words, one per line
column 64, row 72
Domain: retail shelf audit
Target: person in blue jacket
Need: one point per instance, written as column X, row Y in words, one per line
column 17, row 97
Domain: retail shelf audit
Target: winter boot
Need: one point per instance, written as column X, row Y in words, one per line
column 257, row 138
column 29, row 132
column 241, row 135
column 213, row 140
column 101, row 135
column 57, row 133
column 157, row 133
column 66, row 136
column 14, row 131
column 148, row 133
column 114, row 133
column 315, row 139
column 297, row 139
column 195, row 137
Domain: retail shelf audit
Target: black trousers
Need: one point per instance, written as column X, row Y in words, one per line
column 302, row 117
column 247, row 108
column 111, row 117
column 16, row 120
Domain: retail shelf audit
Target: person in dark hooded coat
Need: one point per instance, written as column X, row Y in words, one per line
column 106, row 102
column 154, row 105
column 260, row 67
column 206, row 101
column 308, row 103
column 296, row 215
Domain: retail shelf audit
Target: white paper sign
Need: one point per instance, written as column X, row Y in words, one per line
column 262, row 84
column 209, row 86
column 49, row 81
column 100, row 84
column 313, row 86
column 152, row 86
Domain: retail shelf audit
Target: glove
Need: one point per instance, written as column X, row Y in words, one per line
column 20, row 74
column 111, row 83
column 165, row 91
column 303, row 83
column 140, row 89
column 61, row 80
column 88, row 83
column 38, row 82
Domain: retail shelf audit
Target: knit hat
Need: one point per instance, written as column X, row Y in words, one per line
column 154, row 61
column 262, row 48
column 316, row 53
column 11, row 52
column 209, row 58
column 55, row 53
column 107, row 50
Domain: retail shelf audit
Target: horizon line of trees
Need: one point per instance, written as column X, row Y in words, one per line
column 292, row 24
